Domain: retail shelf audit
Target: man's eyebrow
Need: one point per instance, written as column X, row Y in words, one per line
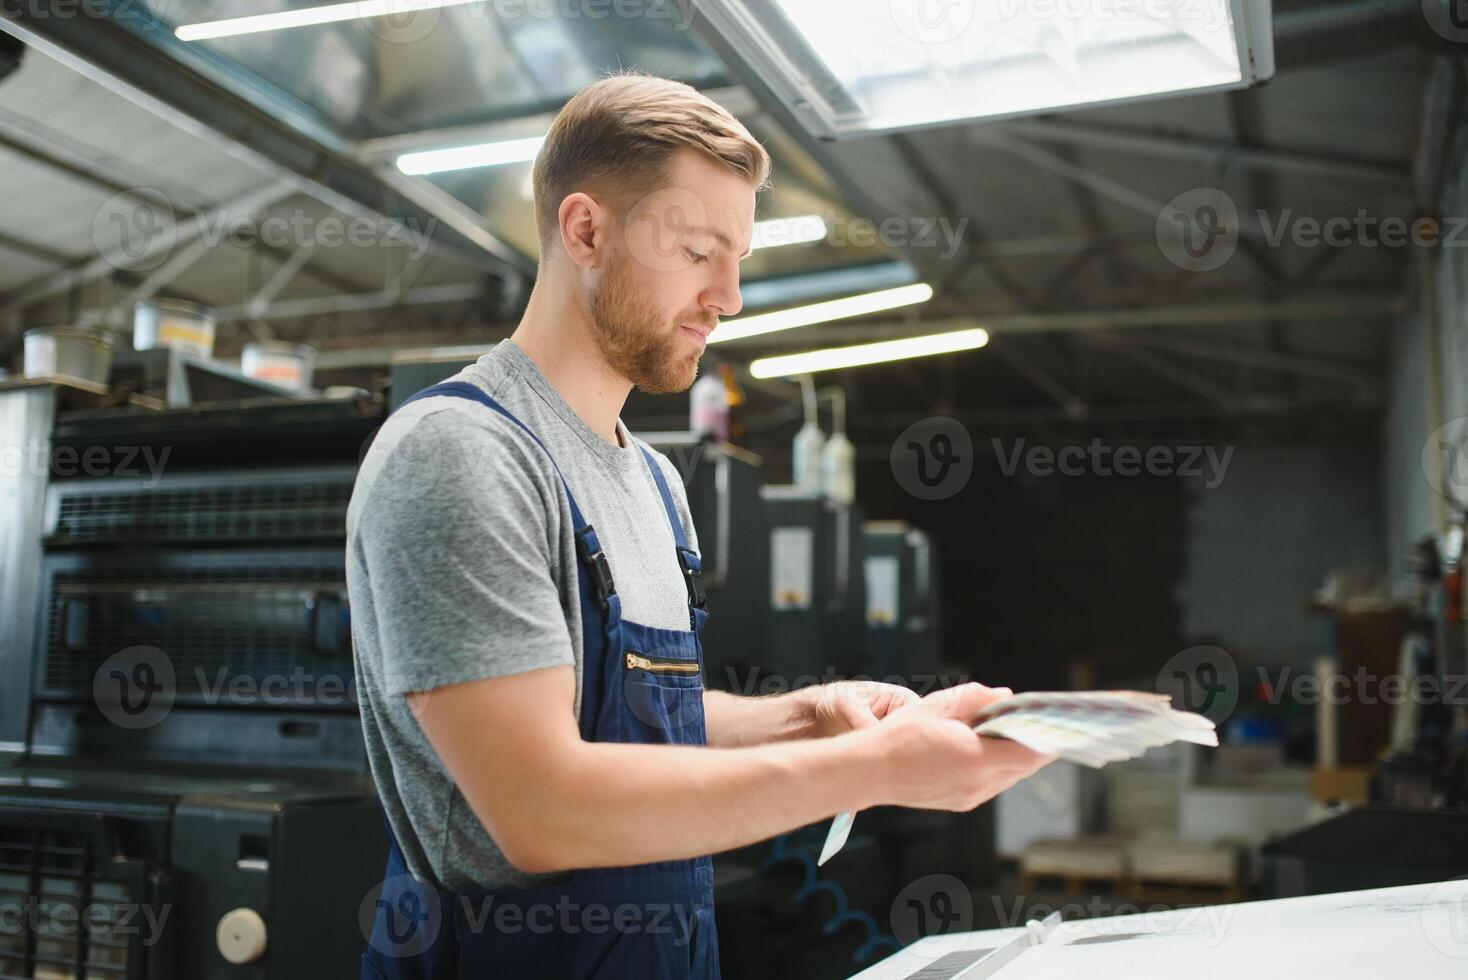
column 723, row 240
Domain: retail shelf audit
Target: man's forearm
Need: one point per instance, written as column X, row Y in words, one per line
column 734, row 721
column 613, row 804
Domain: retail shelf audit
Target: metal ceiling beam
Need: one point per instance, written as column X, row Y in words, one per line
column 1179, row 146
column 84, row 172
column 146, row 75
column 177, row 263
column 1072, row 404
column 1259, row 357
column 355, row 302
column 1184, row 377
column 259, row 304
column 929, row 178
column 1315, row 33
column 70, row 278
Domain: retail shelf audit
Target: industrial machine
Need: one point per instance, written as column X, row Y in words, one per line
column 723, row 488
column 817, row 586
column 183, row 787
column 903, row 600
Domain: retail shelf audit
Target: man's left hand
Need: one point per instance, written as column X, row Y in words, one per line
column 844, row 706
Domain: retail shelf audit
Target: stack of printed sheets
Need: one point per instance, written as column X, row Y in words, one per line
column 1091, row 728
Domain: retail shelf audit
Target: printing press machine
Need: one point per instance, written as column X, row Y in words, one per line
column 183, row 788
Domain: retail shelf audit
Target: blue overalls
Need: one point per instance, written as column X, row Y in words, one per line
column 649, row 922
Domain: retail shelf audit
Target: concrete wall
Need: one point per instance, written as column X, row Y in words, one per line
column 1265, row 538
column 1412, row 502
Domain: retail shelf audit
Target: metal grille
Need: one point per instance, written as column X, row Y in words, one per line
column 65, row 922
column 224, row 511
column 213, row 624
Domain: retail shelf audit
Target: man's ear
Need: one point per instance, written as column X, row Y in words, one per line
column 583, row 224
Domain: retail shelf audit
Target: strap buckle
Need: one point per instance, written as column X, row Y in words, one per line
column 597, row 566
column 693, row 576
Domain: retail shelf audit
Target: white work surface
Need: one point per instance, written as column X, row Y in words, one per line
column 1417, row 931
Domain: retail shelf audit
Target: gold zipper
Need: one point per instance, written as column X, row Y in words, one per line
column 638, row 662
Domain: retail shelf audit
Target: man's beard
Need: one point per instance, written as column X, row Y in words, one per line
column 634, row 339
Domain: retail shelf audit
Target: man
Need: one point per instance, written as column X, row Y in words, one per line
column 526, row 603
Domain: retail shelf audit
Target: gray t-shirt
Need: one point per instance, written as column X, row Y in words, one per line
column 461, row 565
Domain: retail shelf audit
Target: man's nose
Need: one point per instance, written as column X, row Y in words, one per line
column 724, row 296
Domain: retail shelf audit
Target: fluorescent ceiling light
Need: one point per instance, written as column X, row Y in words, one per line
column 464, row 157
column 787, row 231
column 309, row 16
column 848, row 67
column 834, row 309
column 885, row 350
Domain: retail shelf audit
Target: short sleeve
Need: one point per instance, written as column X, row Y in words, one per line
column 456, row 534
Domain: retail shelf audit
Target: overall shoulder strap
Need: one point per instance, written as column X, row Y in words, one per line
column 587, row 543
column 688, row 559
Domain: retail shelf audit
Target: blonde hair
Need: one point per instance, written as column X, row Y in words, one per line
column 617, row 134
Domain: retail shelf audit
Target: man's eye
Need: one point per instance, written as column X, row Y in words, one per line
column 696, row 256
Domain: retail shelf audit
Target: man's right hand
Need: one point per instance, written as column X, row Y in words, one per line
column 932, row 759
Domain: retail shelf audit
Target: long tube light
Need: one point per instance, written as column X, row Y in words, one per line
column 475, row 155
column 808, row 362
column 834, row 309
column 306, row 17
column 798, row 230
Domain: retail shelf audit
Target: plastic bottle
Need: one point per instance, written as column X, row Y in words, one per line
column 838, row 458
column 708, row 406
column 809, row 443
